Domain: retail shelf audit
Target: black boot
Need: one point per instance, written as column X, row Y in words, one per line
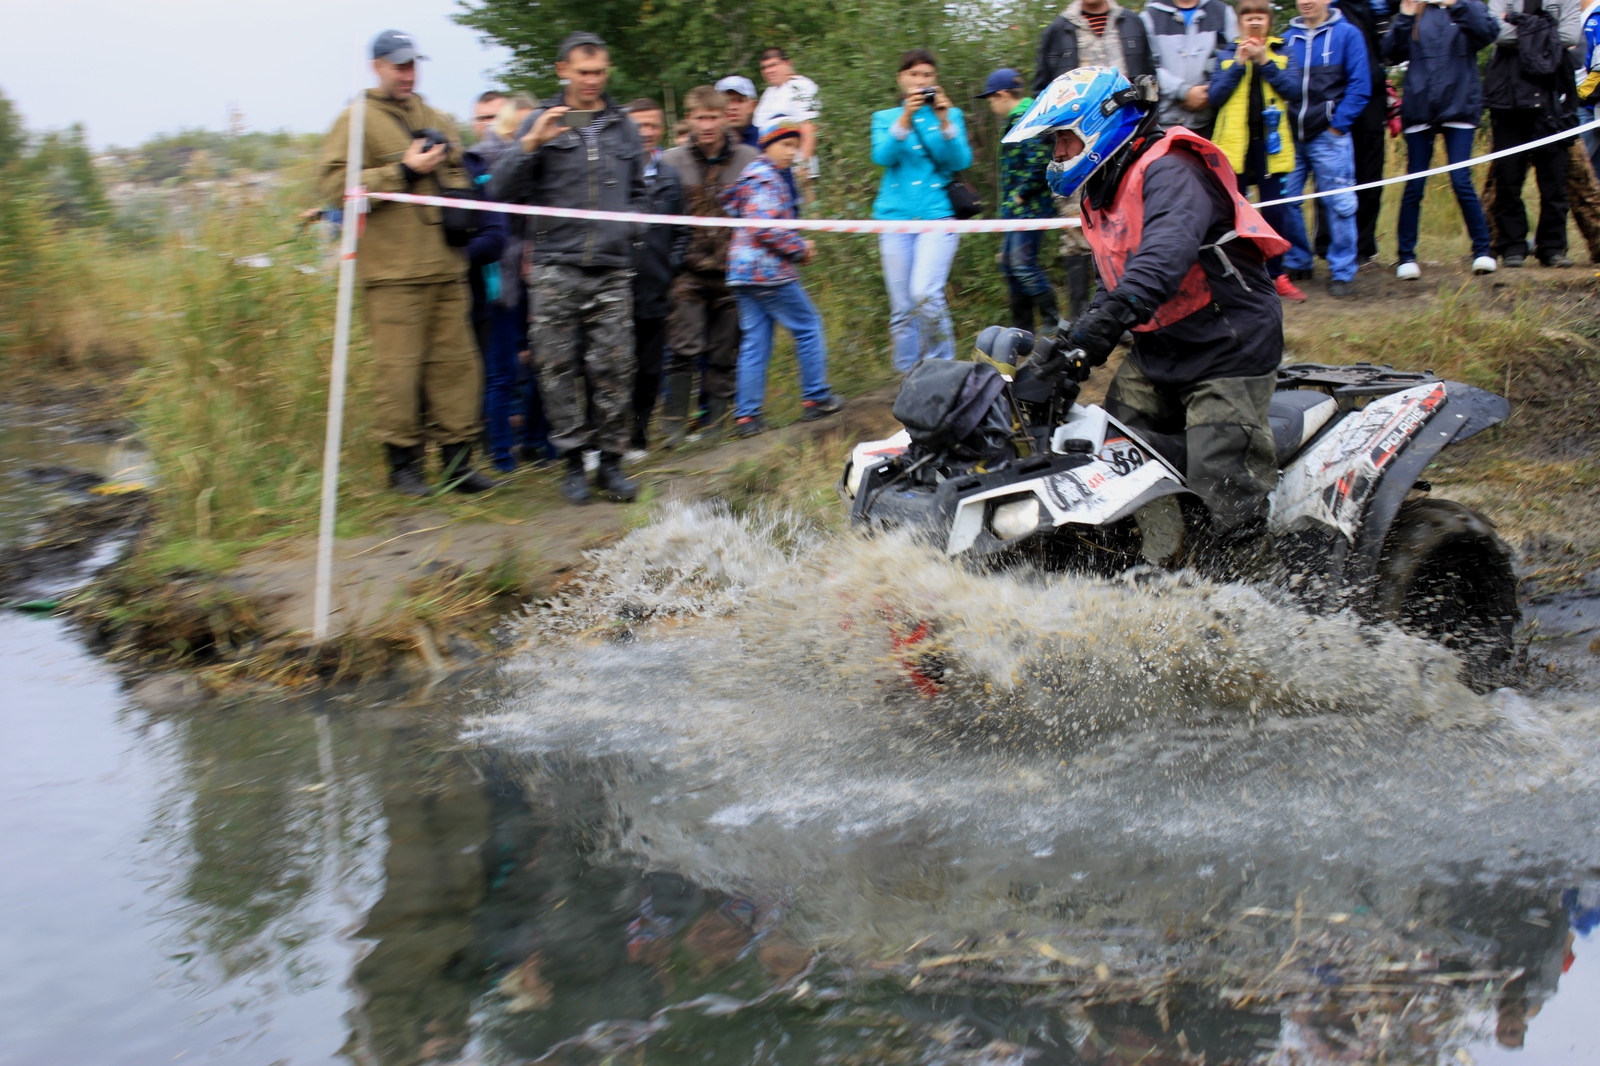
column 458, row 472
column 675, row 410
column 715, row 421
column 1080, row 278
column 609, row 480
column 575, row 485
column 1049, row 314
column 1022, row 312
column 405, row 470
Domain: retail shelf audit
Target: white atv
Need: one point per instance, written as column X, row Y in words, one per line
column 1036, row 477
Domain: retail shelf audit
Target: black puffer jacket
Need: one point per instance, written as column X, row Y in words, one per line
column 568, row 172
column 1058, row 50
column 658, row 252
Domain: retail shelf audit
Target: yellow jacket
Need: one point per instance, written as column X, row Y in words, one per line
column 402, row 243
column 1232, row 132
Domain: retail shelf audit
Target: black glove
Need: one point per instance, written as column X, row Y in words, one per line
column 1098, row 331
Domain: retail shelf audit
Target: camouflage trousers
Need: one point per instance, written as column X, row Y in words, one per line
column 582, row 340
column 1219, row 431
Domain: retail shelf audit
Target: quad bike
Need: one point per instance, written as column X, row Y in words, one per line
column 1035, row 477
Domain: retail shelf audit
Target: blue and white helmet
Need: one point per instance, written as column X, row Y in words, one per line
column 1096, row 103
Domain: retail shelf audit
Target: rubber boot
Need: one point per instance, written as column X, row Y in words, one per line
column 405, row 470
column 610, row 482
column 715, row 422
column 1080, row 279
column 575, row 484
column 675, row 410
column 1049, row 314
column 459, row 475
column 1021, row 312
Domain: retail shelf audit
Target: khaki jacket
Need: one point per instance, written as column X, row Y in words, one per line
column 402, row 243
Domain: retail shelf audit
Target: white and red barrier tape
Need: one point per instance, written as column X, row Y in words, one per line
column 941, row 225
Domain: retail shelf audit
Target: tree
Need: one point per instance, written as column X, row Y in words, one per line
column 71, row 181
column 653, row 44
column 13, row 137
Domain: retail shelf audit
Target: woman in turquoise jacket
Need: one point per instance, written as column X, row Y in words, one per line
column 920, row 145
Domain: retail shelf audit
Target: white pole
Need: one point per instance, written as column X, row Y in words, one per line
column 350, row 231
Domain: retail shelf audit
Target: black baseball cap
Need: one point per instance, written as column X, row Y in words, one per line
column 580, row 39
column 396, row 47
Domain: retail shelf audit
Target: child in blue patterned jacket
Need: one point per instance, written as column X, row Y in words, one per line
column 764, row 279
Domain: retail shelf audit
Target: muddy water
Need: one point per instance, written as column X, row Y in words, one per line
column 705, row 811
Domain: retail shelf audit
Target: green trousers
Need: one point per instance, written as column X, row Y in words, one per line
column 427, row 376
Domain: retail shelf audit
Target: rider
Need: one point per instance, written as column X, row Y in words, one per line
column 1182, row 263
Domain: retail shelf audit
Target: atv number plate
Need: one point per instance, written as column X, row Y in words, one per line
column 1122, row 455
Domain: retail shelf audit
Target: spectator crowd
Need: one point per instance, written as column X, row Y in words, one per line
column 556, row 339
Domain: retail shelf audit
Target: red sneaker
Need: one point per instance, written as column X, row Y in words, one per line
column 1288, row 289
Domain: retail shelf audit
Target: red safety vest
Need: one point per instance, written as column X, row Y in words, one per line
column 1114, row 231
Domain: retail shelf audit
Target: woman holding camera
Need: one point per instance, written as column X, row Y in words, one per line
column 920, row 145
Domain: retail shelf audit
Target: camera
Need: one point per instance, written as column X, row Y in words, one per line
column 431, row 138
column 928, row 96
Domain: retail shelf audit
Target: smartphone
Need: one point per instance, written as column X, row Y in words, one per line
column 576, row 120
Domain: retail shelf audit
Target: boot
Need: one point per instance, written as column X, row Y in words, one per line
column 405, row 470
column 1080, row 278
column 714, row 424
column 610, row 482
column 1022, row 312
column 458, row 472
column 575, row 485
column 1049, row 314
column 675, row 410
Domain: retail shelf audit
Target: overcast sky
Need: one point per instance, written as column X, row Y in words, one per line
column 131, row 68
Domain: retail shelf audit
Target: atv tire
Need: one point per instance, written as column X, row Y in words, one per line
column 1446, row 575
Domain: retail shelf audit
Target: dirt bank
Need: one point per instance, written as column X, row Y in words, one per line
column 424, row 593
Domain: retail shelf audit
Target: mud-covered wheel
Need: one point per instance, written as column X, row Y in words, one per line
column 1446, row 575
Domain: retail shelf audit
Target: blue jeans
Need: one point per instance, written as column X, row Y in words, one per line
column 915, row 269
column 1419, row 156
column 1019, row 263
column 1285, row 218
column 789, row 306
column 1331, row 159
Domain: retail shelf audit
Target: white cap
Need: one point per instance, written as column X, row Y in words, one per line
column 737, row 83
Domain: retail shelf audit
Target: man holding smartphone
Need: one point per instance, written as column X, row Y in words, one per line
column 581, row 151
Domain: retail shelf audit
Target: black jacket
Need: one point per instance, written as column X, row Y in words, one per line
column 1240, row 334
column 1441, row 46
column 1361, row 15
column 658, row 251
column 567, row 172
column 1507, row 84
column 1058, row 50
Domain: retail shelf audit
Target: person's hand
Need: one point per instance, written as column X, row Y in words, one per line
column 1336, row 133
column 1410, row 7
column 1253, row 50
column 941, row 103
column 810, row 253
column 1196, row 98
column 545, row 130
column 419, row 162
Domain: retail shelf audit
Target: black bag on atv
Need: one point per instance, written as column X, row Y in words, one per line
column 955, row 409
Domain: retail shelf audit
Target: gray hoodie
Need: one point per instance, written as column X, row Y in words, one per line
column 1186, row 53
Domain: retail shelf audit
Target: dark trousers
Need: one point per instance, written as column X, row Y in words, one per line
column 1367, row 146
column 703, row 324
column 1509, row 128
column 500, row 333
column 1285, row 218
column 649, row 345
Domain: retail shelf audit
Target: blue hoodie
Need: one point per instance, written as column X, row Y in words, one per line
column 1331, row 80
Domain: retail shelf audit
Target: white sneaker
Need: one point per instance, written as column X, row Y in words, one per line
column 1408, row 271
column 1484, row 264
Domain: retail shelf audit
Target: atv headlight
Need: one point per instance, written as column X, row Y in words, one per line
column 852, row 479
column 1015, row 519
